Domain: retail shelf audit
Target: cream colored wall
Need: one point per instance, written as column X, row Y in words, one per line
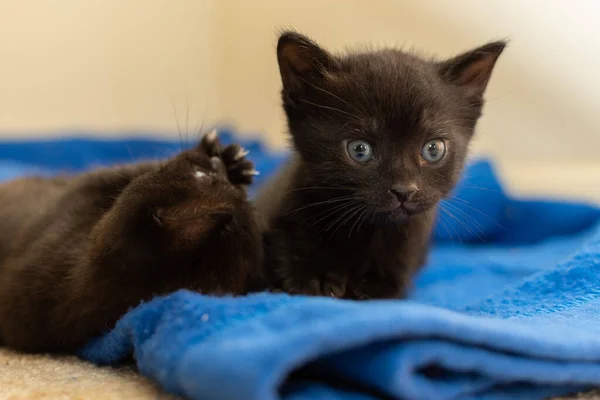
column 544, row 94
column 107, row 65
column 116, row 65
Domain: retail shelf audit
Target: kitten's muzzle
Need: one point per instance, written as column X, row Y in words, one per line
column 403, row 202
column 404, row 192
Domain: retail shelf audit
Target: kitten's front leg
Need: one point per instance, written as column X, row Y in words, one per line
column 328, row 283
column 388, row 275
column 394, row 259
column 299, row 268
column 169, row 213
column 374, row 286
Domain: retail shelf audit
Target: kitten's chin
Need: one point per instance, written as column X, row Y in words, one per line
column 396, row 216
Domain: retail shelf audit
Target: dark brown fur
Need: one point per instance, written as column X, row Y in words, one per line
column 76, row 253
column 334, row 226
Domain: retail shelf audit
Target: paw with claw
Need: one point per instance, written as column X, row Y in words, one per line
column 239, row 170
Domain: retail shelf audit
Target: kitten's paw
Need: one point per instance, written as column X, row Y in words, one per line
column 240, row 170
column 211, row 145
column 331, row 284
column 374, row 288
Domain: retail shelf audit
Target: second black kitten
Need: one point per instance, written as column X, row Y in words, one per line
column 380, row 138
column 76, row 253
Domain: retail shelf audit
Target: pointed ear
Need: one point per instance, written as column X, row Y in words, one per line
column 472, row 69
column 301, row 61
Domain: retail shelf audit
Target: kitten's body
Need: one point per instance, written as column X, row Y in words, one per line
column 339, row 225
column 310, row 253
column 76, row 253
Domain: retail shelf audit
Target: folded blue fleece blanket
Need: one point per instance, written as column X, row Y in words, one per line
column 508, row 307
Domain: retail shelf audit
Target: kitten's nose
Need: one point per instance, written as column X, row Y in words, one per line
column 404, row 192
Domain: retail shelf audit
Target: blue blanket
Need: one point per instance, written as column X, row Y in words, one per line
column 507, row 307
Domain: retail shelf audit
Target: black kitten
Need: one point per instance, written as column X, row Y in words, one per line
column 380, row 138
column 76, row 253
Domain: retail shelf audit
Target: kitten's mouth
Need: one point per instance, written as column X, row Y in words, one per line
column 398, row 213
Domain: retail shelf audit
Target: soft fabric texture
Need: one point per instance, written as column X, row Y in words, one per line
column 46, row 377
column 505, row 309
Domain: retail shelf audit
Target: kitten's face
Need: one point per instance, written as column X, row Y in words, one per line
column 388, row 126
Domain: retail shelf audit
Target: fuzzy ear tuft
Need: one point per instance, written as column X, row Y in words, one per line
column 301, row 60
column 473, row 68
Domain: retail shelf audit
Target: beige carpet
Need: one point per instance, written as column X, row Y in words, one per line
column 32, row 377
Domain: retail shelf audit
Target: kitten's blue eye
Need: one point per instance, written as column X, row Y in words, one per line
column 434, row 150
column 360, row 151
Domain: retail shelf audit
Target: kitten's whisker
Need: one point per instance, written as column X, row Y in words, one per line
column 330, row 201
column 468, row 106
column 191, row 217
column 450, row 121
column 332, row 95
column 464, row 225
column 452, row 217
column 466, row 204
column 341, row 217
column 319, row 188
column 198, row 131
column 355, row 221
column 331, row 212
column 331, row 208
column 467, row 216
column 335, row 207
column 177, row 124
column 130, row 153
column 441, row 221
column 366, row 215
column 491, row 99
column 342, row 220
column 462, row 201
column 346, row 220
column 122, row 176
column 343, row 127
column 328, row 108
column 347, row 200
column 363, row 210
column 187, row 122
column 332, row 223
column 484, row 189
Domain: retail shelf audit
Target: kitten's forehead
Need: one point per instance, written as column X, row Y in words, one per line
column 391, row 87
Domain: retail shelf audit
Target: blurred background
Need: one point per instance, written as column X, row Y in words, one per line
column 133, row 67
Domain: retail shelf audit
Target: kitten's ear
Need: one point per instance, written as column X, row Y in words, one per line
column 301, row 61
column 473, row 68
